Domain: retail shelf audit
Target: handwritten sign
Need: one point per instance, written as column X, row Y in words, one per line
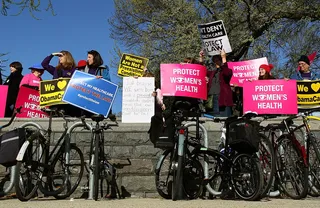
column 29, row 100
column 90, row 93
column 3, row 93
column 131, row 65
column 214, row 37
column 245, row 70
column 51, row 91
column 137, row 100
column 186, row 80
column 270, row 97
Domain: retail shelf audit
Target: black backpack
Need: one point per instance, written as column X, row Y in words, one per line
column 161, row 133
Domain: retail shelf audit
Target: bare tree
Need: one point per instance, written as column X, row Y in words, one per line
column 31, row 5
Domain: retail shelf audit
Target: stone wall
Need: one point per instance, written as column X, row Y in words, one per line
column 126, row 141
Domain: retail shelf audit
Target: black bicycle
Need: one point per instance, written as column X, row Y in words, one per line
column 55, row 172
column 235, row 170
column 99, row 165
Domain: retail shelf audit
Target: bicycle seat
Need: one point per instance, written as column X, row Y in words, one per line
column 97, row 118
column 183, row 105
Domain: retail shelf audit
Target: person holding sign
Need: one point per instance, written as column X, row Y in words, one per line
column 304, row 72
column 65, row 67
column 95, row 65
column 33, row 79
column 13, row 82
column 264, row 72
column 223, row 74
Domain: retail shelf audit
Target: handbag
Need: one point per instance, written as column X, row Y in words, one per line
column 10, row 143
column 208, row 104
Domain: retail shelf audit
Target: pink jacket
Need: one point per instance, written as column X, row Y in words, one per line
column 31, row 80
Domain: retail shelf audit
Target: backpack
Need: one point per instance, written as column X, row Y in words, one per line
column 10, row 143
column 244, row 136
column 161, row 133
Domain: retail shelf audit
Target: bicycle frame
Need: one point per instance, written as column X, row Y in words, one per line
column 50, row 158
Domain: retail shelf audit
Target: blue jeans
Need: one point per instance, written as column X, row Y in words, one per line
column 215, row 102
column 225, row 111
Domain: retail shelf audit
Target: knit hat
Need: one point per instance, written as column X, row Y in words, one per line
column 304, row 59
column 82, row 63
column 266, row 67
column 37, row 67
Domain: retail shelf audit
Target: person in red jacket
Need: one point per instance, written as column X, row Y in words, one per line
column 223, row 74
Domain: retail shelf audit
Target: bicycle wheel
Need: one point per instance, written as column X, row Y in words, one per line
column 246, row 177
column 314, row 167
column 163, row 173
column 291, row 167
column 268, row 163
column 30, row 170
column 192, row 178
column 75, row 171
column 177, row 182
column 96, row 166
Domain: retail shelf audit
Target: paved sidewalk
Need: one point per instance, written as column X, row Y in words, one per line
column 159, row 203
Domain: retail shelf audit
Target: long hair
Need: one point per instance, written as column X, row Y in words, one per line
column 266, row 76
column 97, row 60
column 69, row 64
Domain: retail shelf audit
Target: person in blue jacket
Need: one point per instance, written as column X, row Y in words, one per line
column 304, row 72
column 95, row 65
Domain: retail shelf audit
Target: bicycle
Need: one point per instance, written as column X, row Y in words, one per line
column 5, row 188
column 291, row 173
column 168, row 164
column 97, row 165
column 233, row 170
column 55, row 173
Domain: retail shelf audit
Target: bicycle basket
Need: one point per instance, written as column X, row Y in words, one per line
column 10, row 143
column 244, row 136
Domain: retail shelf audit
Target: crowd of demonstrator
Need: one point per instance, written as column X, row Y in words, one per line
column 223, row 99
column 65, row 68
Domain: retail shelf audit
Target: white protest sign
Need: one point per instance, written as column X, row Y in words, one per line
column 214, row 37
column 137, row 99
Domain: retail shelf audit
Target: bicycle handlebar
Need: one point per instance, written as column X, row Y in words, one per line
column 108, row 126
column 16, row 111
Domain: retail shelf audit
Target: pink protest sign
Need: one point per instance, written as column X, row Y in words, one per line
column 3, row 93
column 187, row 80
column 270, row 97
column 244, row 70
column 29, row 100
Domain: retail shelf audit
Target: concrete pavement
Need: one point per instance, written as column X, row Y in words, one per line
column 159, row 203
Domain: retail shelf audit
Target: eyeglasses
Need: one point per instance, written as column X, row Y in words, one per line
column 301, row 64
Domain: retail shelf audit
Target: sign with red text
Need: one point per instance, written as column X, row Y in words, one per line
column 89, row 93
column 187, row 80
column 214, row 37
column 245, row 70
column 3, row 93
column 29, row 99
column 270, row 97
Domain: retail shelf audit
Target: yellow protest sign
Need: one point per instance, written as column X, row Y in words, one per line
column 308, row 92
column 51, row 91
column 131, row 65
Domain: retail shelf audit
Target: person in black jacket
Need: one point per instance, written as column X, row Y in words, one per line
column 13, row 82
